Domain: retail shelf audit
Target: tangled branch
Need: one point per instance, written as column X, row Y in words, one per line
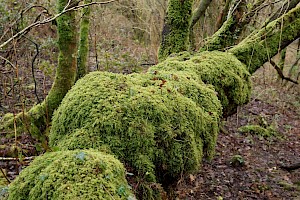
column 50, row 19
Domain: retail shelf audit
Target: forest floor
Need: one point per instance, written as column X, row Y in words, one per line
column 257, row 174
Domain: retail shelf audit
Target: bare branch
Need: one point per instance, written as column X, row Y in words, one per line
column 200, row 11
column 32, row 68
column 8, row 62
column 45, row 10
column 280, row 73
column 50, row 19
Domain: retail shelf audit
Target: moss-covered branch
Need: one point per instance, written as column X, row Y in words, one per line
column 238, row 19
column 175, row 35
column 229, row 31
column 260, row 47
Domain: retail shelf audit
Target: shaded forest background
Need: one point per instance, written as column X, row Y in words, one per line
column 124, row 38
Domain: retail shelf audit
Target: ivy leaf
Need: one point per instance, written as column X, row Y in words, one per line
column 81, row 156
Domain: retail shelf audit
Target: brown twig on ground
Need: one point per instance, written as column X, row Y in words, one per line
column 290, row 167
column 5, row 175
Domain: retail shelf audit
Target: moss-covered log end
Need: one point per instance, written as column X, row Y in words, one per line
column 79, row 174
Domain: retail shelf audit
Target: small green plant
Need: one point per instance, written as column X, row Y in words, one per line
column 237, row 161
column 258, row 130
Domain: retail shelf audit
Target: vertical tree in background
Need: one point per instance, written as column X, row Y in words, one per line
column 83, row 49
column 175, row 35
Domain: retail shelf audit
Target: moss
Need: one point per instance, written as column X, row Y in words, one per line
column 222, row 38
column 289, row 186
column 228, row 76
column 143, row 124
column 237, row 161
column 31, row 122
column 259, row 131
column 79, row 174
column 176, row 29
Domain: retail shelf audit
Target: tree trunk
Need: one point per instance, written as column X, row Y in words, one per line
column 83, row 50
column 176, row 30
column 200, row 11
column 37, row 119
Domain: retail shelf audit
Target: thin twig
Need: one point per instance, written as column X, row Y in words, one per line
column 280, row 73
column 13, row 66
column 32, row 68
column 50, row 19
column 5, row 176
column 21, row 14
column 16, row 159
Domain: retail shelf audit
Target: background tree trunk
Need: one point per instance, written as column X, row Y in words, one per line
column 176, row 30
column 83, row 49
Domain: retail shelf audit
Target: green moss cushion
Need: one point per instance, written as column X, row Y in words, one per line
column 79, row 174
column 229, row 77
column 146, row 125
column 161, row 123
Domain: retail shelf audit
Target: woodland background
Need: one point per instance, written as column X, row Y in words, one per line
column 124, row 38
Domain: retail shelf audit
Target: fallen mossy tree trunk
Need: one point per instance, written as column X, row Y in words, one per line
column 160, row 124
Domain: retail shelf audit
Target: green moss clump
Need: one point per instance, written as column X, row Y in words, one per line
column 228, row 76
column 222, row 38
column 259, row 131
column 161, row 123
column 145, row 125
column 79, row 174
